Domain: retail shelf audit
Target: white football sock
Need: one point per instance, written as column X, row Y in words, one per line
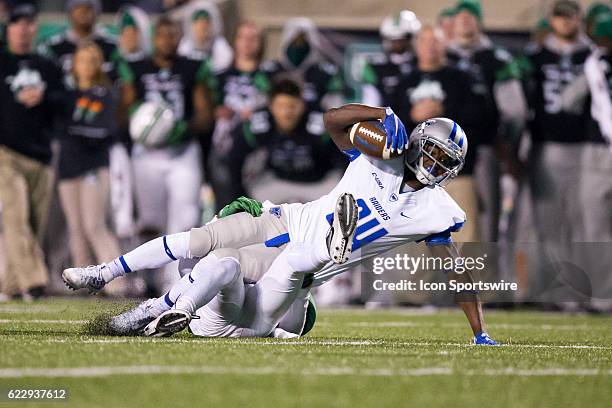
column 150, row 255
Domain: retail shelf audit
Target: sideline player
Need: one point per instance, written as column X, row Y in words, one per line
column 400, row 201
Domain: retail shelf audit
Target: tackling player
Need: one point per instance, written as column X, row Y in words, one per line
column 408, row 188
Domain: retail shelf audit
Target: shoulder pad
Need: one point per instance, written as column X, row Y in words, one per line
column 260, row 122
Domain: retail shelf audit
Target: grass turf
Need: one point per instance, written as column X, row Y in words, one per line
column 352, row 358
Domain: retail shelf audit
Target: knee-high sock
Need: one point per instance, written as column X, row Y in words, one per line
column 150, row 255
column 208, row 277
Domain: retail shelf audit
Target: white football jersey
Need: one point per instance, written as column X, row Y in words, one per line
column 387, row 217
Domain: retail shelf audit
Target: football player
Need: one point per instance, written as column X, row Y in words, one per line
column 82, row 15
column 383, row 72
column 497, row 71
column 399, row 200
column 168, row 178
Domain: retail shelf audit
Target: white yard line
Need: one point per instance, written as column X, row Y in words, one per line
column 42, row 321
column 338, row 343
column 271, row 370
column 493, row 325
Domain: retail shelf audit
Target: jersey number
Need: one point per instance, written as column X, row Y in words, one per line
column 368, row 227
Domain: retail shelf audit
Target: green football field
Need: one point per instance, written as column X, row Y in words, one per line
column 352, row 358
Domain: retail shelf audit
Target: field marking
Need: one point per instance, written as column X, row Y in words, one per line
column 271, row 370
column 363, row 324
column 42, row 321
column 320, row 342
column 451, row 325
column 305, row 342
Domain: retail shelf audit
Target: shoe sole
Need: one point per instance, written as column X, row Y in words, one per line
column 344, row 225
column 167, row 324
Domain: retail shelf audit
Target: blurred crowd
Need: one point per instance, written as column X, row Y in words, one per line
column 539, row 123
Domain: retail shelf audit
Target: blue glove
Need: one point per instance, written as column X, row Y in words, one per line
column 397, row 138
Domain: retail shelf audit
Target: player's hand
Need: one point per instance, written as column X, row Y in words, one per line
column 31, row 96
column 397, row 138
column 242, row 204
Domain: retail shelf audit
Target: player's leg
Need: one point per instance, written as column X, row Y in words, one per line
column 236, row 231
column 271, row 298
column 294, row 319
column 217, row 276
column 152, row 254
column 278, row 289
column 134, row 320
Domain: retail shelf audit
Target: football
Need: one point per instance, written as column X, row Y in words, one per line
column 151, row 124
column 370, row 138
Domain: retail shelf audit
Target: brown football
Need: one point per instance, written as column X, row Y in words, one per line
column 370, row 138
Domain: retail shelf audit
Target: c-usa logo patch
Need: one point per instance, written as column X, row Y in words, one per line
column 276, row 211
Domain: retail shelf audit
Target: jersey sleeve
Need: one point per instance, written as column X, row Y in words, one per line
column 444, row 237
column 352, row 154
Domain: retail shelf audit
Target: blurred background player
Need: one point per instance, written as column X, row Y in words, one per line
column 203, row 35
column 133, row 44
column 435, row 89
column 496, row 70
column 383, row 72
column 168, row 179
column 239, row 91
column 302, row 60
column 558, row 137
column 300, row 159
column 596, row 184
column 82, row 15
column 89, row 130
column 30, row 95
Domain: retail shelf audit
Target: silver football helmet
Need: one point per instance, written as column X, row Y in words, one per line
column 436, row 151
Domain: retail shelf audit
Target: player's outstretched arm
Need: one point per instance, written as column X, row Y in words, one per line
column 469, row 302
column 338, row 121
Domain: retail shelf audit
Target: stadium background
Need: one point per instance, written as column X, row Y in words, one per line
column 346, row 27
